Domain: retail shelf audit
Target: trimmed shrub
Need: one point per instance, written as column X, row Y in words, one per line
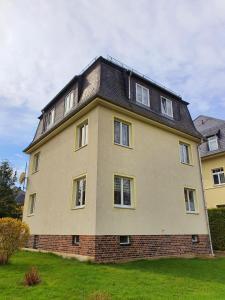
column 14, row 235
column 32, row 277
column 217, row 227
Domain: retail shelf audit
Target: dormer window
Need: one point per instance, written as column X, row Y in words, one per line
column 69, row 100
column 213, row 143
column 50, row 118
column 142, row 95
column 166, row 107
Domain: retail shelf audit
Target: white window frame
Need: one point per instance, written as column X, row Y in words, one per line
column 122, row 205
column 142, row 89
column 32, row 204
column 128, row 242
column 213, row 143
column 189, row 211
column 169, row 111
column 183, row 155
column 75, row 185
column 218, row 173
column 121, row 132
column 82, row 131
column 69, row 102
column 36, row 161
column 49, row 122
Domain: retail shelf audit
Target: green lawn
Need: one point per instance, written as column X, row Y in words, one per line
column 153, row 279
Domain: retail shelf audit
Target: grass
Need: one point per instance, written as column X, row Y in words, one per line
column 153, row 279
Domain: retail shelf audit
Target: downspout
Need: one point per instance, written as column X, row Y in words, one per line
column 205, row 206
column 129, row 85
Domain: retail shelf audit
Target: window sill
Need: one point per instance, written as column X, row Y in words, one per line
column 34, row 172
column 185, row 164
column 30, row 215
column 127, row 244
column 123, row 207
column 167, row 116
column 78, row 207
column 192, row 212
column 123, row 146
column 219, row 185
column 77, row 149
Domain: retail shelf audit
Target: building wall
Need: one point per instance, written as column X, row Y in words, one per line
column 59, row 165
column 160, row 178
column 214, row 194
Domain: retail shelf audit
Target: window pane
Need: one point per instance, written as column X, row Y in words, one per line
column 191, row 201
column 86, row 134
column 117, row 190
column 117, row 132
column 222, row 178
column 83, row 190
column 169, row 108
column 78, row 193
column 139, row 94
column 145, row 96
column 216, row 179
column 126, row 191
column 125, row 134
column 186, row 200
column 163, row 105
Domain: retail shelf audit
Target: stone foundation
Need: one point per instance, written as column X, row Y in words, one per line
column 107, row 248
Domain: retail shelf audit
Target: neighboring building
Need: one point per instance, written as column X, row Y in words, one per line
column 114, row 170
column 212, row 152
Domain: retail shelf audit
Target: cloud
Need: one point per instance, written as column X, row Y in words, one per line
column 43, row 44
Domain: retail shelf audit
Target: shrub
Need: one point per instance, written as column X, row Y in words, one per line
column 32, row 277
column 217, row 227
column 14, row 235
column 99, row 296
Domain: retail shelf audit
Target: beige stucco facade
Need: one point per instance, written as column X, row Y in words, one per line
column 214, row 194
column 152, row 161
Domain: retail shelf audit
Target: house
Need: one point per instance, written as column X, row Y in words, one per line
column 212, row 152
column 114, row 170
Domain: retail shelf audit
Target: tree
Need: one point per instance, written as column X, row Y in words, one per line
column 7, row 191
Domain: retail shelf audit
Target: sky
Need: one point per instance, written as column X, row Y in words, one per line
column 44, row 43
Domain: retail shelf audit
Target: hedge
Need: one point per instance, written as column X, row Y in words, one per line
column 217, row 227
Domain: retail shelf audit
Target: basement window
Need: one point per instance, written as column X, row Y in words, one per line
column 76, row 240
column 194, row 239
column 125, row 240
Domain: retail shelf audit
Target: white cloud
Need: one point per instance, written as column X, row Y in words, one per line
column 43, row 44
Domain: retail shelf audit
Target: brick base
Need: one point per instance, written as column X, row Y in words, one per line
column 106, row 248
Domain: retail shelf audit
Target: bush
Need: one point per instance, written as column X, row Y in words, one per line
column 14, row 235
column 32, row 277
column 99, row 296
column 217, row 227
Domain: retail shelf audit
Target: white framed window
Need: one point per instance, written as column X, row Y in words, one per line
column 75, row 240
column 32, row 203
column 213, row 143
column 142, row 95
column 69, row 102
column 36, row 162
column 122, row 191
column 79, row 192
column 50, row 118
column 218, row 176
column 125, row 240
column 121, row 133
column 166, row 107
column 184, row 153
column 83, row 135
column 190, row 203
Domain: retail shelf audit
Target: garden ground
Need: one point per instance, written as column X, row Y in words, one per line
column 146, row 279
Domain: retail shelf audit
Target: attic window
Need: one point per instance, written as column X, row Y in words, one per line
column 50, row 118
column 166, row 107
column 142, row 95
column 213, row 143
column 69, row 101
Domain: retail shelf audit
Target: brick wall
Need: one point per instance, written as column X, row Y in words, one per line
column 107, row 248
